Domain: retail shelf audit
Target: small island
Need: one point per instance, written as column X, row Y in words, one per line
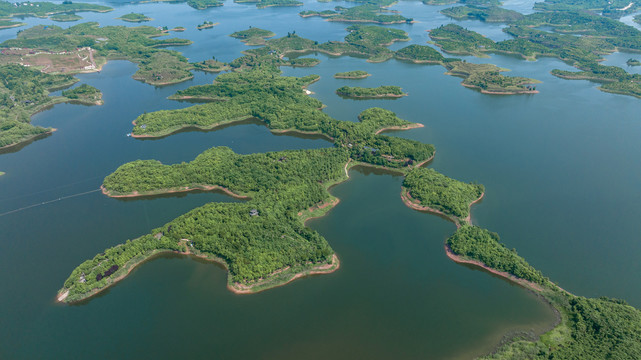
column 84, row 94
column 135, row 17
column 206, row 25
column 381, row 92
column 454, row 39
column 204, row 4
column 368, row 13
column 356, row 74
column 488, row 79
column 253, row 36
column 178, row 29
column 420, row 54
column 633, row 62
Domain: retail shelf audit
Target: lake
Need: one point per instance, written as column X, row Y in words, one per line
column 560, row 168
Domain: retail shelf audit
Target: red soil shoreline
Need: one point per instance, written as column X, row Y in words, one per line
column 404, row 127
column 184, row 189
column 459, row 259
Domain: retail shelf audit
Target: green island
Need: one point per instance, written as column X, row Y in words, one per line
column 135, row 17
column 381, row 92
column 368, row 13
column 487, row 14
column 261, row 4
column 637, row 19
column 206, row 25
column 421, row 54
column 368, row 41
column 204, row 4
column 356, row 74
column 24, row 92
column 178, row 29
column 488, row 79
column 454, row 39
column 633, row 62
column 84, row 94
column 7, row 24
column 86, row 47
column 46, row 9
column 253, row 36
column 65, row 17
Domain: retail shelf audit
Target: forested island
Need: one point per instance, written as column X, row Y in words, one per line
column 206, row 25
column 135, row 17
column 253, row 36
column 381, row 92
column 488, row 79
column 356, row 74
column 633, row 62
column 368, row 13
column 421, row 54
column 204, row 4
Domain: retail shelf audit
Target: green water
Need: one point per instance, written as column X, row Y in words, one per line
column 561, row 171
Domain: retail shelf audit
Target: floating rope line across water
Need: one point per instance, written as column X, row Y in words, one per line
column 49, row 202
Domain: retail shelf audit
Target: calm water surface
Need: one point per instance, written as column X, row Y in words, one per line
column 560, row 168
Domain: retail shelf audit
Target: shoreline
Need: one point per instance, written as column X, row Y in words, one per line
column 511, row 92
column 461, row 260
column 136, row 194
column 352, row 77
column 402, row 127
column 30, row 138
column 203, row 128
column 240, row 289
column 379, row 96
